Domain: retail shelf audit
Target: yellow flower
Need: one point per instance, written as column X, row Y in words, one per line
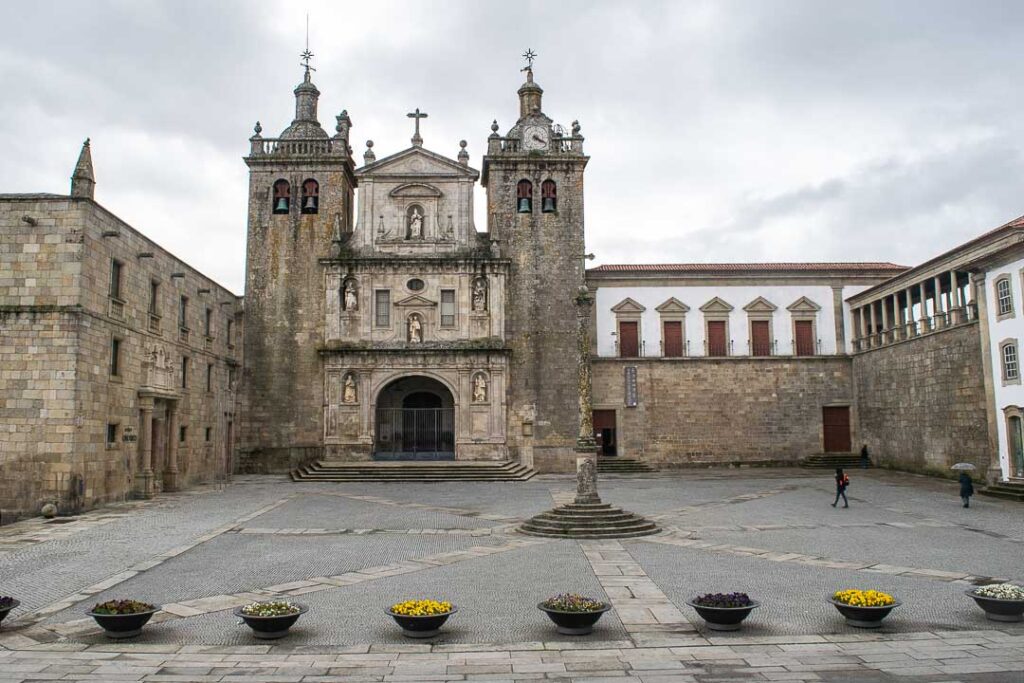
column 859, row 598
column 421, row 608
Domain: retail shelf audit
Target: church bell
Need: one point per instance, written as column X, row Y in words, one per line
column 524, row 205
column 549, row 205
column 282, row 205
column 310, row 202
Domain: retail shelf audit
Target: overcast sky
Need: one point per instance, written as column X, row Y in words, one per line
column 718, row 131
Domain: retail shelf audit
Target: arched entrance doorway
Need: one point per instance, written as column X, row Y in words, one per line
column 415, row 421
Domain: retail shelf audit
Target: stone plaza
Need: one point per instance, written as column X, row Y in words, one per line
column 768, row 532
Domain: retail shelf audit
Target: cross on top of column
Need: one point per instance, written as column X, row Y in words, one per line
column 417, row 115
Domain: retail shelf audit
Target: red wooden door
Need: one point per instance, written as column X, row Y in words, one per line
column 837, row 429
column 673, row 338
column 804, row 338
column 760, row 338
column 629, row 339
column 716, row 338
column 604, row 431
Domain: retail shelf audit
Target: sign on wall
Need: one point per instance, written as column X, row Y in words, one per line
column 631, row 394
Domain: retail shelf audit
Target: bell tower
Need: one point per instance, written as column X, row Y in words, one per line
column 534, row 180
column 301, row 195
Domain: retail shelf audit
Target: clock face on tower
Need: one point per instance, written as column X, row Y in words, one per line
column 535, row 138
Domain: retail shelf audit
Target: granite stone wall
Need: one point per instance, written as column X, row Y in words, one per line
column 704, row 411
column 922, row 401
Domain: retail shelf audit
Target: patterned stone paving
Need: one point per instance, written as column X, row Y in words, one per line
column 647, row 638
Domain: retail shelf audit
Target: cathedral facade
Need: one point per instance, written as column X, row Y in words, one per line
column 401, row 331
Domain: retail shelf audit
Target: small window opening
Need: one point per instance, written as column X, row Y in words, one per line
column 524, row 197
column 310, row 196
column 549, row 196
column 282, row 196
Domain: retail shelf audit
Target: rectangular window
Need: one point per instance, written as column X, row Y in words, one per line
column 208, row 323
column 115, row 278
column 154, row 297
column 115, row 357
column 760, row 338
column 716, row 338
column 382, row 308
column 804, row 337
column 229, row 332
column 209, row 376
column 184, row 372
column 209, row 434
column 447, row 308
column 111, row 435
column 183, row 313
column 1011, row 368
column 629, row 339
column 232, row 375
column 182, row 433
column 1005, row 296
column 672, row 338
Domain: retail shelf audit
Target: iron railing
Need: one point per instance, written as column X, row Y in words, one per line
column 415, row 433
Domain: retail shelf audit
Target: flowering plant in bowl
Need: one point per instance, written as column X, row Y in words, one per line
column 864, row 608
column 6, row 605
column 272, row 619
column 572, row 613
column 276, row 608
column 123, row 607
column 1001, row 601
column 723, row 611
column 122, row 618
column 421, row 618
column 421, row 608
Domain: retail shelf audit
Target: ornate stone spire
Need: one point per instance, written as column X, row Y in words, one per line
column 83, row 182
column 529, row 92
column 305, row 124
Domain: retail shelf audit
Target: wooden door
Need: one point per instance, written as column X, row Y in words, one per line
column 604, row 432
column 837, row 429
column 760, row 338
column 804, row 337
column 629, row 339
column 673, row 338
column 716, row 338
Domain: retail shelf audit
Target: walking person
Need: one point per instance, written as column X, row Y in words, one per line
column 842, row 481
column 966, row 489
column 865, row 457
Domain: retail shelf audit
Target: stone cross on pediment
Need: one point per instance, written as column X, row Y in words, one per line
column 417, row 115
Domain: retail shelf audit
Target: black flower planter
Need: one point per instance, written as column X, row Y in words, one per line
column 271, row 628
column 421, row 627
column 724, row 618
column 573, row 623
column 123, row 625
column 4, row 611
column 864, row 617
column 996, row 609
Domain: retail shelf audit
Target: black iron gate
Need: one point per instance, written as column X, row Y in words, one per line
column 415, row 434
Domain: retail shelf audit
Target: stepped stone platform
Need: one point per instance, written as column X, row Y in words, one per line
column 1007, row 490
column 833, row 460
column 588, row 520
column 617, row 465
column 421, row 471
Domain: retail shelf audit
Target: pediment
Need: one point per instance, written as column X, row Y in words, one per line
column 716, row 305
column 416, row 161
column 415, row 300
column 415, row 190
column 627, row 305
column 803, row 305
column 673, row 305
column 760, row 305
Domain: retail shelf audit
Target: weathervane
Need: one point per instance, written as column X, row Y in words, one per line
column 306, row 54
column 529, row 56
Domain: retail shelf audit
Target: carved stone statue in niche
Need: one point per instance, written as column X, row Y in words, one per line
column 479, row 295
column 415, row 229
column 348, row 392
column 480, row 388
column 415, row 328
column 351, row 296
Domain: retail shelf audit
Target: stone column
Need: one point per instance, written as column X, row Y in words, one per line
column 874, row 324
column 954, row 298
column 885, row 319
column 989, row 374
column 939, row 309
column 586, row 447
column 925, row 325
column 171, row 473
column 911, row 321
column 862, row 342
column 146, row 447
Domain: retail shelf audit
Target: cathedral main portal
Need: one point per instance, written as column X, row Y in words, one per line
column 415, row 421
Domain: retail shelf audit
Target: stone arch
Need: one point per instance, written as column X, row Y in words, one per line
column 414, row 418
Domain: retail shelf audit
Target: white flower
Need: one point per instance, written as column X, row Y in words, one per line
column 1001, row 591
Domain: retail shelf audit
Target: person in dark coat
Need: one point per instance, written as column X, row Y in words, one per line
column 865, row 457
column 966, row 489
column 842, row 481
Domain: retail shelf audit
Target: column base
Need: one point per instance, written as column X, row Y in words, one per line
column 146, row 481
column 170, row 481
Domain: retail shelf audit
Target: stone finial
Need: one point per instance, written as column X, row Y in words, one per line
column 257, row 129
column 368, row 156
column 463, row 154
column 83, row 182
column 343, row 126
column 494, row 129
column 575, row 128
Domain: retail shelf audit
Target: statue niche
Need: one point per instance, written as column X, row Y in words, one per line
column 350, row 296
column 415, row 329
column 479, row 388
column 414, row 222
column 479, row 295
column 349, row 393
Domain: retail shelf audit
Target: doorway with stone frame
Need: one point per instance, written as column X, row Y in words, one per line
column 415, row 420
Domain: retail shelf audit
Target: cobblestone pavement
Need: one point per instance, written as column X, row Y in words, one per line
column 347, row 550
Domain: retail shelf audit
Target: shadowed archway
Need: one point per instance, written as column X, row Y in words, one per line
column 415, row 420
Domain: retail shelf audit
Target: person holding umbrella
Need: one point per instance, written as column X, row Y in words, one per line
column 966, row 485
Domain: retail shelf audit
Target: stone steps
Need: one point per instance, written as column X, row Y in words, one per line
column 598, row 520
column 617, row 465
column 833, row 460
column 412, row 471
column 1005, row 490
